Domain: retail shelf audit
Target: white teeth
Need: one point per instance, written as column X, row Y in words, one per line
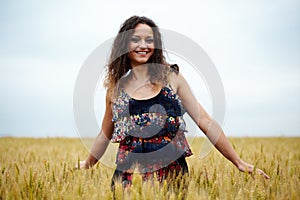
column 142, row 52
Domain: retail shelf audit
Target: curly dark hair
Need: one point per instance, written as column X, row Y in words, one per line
column 119, row 63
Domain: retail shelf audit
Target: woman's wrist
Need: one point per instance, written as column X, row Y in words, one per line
column 239, row 163
column 90, row 161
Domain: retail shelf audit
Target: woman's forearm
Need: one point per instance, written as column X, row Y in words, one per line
column 217, row 137
column 98, row 149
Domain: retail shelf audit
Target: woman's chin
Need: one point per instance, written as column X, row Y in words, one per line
column 140, row 62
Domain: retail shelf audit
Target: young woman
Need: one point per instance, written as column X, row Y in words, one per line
column 146, row 99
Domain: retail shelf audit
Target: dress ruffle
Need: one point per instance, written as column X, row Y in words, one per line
column 142, row 126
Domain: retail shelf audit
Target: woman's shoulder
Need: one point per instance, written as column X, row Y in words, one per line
column 174, row 76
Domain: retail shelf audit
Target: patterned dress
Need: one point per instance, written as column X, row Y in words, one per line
column 151, row 136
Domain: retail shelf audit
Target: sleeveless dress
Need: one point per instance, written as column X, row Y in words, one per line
column 151, row 136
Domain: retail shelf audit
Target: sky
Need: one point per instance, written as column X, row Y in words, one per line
column 254, row 45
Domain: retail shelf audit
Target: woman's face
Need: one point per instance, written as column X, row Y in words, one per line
column 141, row 45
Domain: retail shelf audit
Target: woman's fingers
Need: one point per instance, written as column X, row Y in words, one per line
column 245, row 167
column 261, row 172
column 81, row 165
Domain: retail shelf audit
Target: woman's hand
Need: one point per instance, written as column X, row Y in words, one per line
column 246, row 167
column 82, row 165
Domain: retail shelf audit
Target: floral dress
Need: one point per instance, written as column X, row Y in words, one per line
column 151, row 136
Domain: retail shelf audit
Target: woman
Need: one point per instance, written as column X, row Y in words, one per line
column 146, row 98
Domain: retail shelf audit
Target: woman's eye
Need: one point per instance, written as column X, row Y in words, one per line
column 135, row 40
column 150, row 40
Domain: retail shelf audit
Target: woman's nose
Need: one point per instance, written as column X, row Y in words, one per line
column 143, row 44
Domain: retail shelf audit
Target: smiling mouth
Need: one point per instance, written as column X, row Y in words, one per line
column 141, row 52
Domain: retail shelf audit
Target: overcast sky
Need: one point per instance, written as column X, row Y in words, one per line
column 254, row 44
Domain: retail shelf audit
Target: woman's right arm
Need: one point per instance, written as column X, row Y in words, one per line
column 103, row 138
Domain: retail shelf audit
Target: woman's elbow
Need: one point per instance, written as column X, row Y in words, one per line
column 204, row 123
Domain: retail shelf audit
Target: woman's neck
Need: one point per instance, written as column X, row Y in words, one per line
column 140, row 73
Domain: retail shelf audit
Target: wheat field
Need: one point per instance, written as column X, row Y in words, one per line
column 44, row 169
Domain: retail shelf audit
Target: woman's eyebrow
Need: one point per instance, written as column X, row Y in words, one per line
column 149, row 36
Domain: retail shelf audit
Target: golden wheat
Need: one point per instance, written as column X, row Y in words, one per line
column 44, row 169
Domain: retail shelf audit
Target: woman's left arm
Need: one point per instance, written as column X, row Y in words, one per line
column 209, row 126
